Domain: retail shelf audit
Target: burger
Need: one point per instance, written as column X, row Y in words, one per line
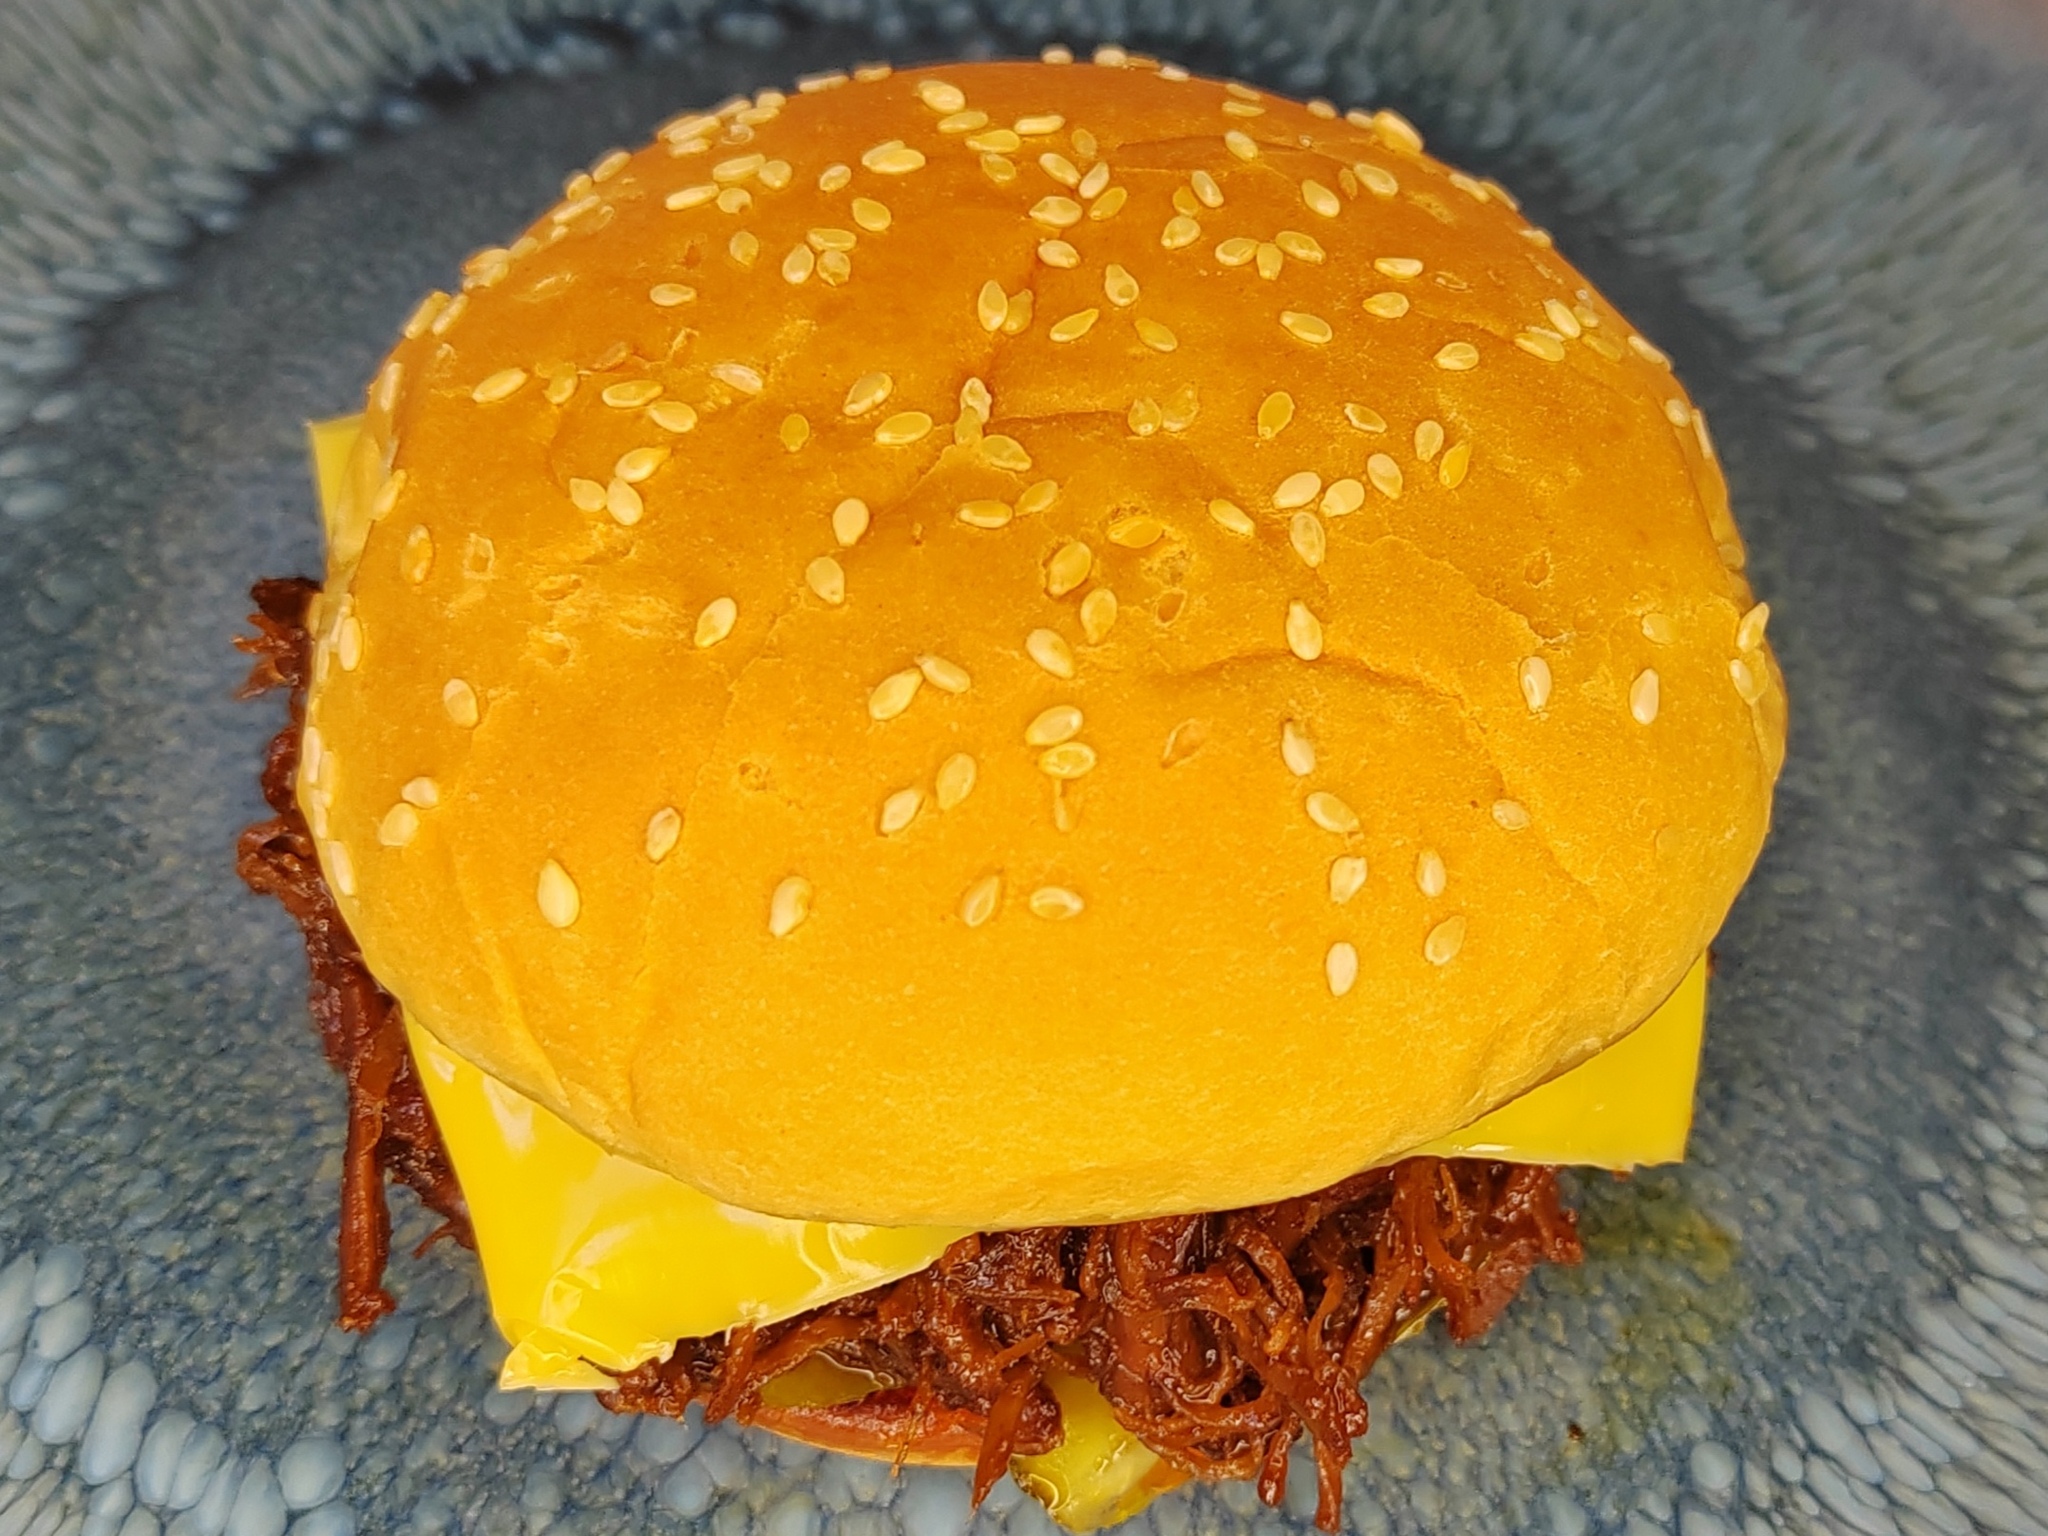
column 994, row 761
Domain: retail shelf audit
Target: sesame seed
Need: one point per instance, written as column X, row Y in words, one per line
column 899, row 811
column 1069, row 760
column 1074, row 326
column 672, row 415
column 1038, row 496
column 1306, row 327
column 1054, row 902
column 1110, row 204
column 795, row 431
column 1699, row 431
column 903, row 428
column 1181, row 409
column 716, row 621
column 849, row 521
column 1242, row 109
column 1387, row 306
column 1340, row 968
column 387, row 495
column 1019, row 317
column 1385, row 475
column 1749, row 633
column 1430, row 878
column 737, row 169
column 1231, row 517
column 664, row 827
column 966, row 121
column 1538, row 342
column 1429, row 439
column 1396, row 131
column 870, row 215
column 985, row 513
column 1241, row 144
column 1643, row 696
column 1275, row 412
column 498, row 386
column 1296, row 750
column 1444, row 941
column 623, row 502
column 744, row 247
column 1511, row 815
column 1364, row 418
column 1173, row 72
column 1180, row 231
column 341, row 867
column 1451, row 473
column 1155, row 335
column 1297, row 490
column 631, row 394
column 1649, row 353
column 1098, row 614
column 1136, row 532
column 1562, row 319
column 1292, row 242
column 834, row 177
column 1270, row 259
column 557, row 895
column 670, row 295
column 991, row 306
column 1377, row 179
column 1330, row 813
column 946, row 676
column 867, row 392
column 998, row 170
column 775, row 175
column 416, row 559
column 423, row 314
column 1677, row 412
column 1040, row 123
column 1060, row 168
column 562, row 381
column 1347, row 877
column 827, row 238
column 1658, row 629
column 955, row 780
column 868, row 73
column 1236, row 251
column 1056, row 212
column 460, row 701
column 829, row 80
column 1748, row 679
column 735, row 200
column 788, row 906
column 1058, row 253
column 1144, row 417
column 1071, row 563
column 892, row 695
column 827, row 578
column 1118, row 286
column 442, row 322
column 1457, row 356
column 1534, row 676
column 1305, row 533
column 1051, row 652
column 637, row 464
column 348, row 643
column 979, row 902
column 681, row 147
column 1398, row 266
column 1005, row 453
column 1304, row 631
column 1051, row 726
column 893, row 158
column 941, row 96
column 1110, row 56
column 798, row 265
column 422, row 792
column 1343, row 497
column 401, row 824
column 1320, row 199
column 1471, row 186
column 1206, row 189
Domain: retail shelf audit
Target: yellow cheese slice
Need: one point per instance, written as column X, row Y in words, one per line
column 592, row 1260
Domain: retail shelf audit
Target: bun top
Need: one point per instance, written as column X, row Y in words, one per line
column 1025, row 643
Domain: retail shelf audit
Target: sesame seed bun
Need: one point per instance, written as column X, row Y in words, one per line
column 905, row 667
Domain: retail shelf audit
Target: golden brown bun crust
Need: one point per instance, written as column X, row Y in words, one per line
column 1177, row 1045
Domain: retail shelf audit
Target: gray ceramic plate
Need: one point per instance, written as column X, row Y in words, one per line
column 1834, row 1318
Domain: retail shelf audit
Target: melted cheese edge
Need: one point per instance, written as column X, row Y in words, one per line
column 595, row 1263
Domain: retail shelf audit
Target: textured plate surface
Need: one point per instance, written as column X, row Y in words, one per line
column 1835, row 1318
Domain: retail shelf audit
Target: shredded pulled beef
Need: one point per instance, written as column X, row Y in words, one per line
column 391, row 1130
column 1218, row 1340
